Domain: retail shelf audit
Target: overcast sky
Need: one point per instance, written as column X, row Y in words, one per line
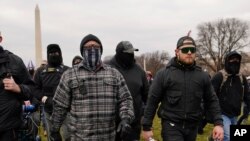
column 150, row 25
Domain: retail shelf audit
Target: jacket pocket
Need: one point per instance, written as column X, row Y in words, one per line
column 110, row 81
column 78, row 87
column 174, row 97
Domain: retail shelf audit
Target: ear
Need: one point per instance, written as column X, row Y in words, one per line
column 177, row 52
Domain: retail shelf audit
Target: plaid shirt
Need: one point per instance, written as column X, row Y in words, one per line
column 93, row 98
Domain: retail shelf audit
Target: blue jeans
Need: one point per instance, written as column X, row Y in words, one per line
column 227, row 122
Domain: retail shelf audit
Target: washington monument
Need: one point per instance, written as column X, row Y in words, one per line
column 38, row 40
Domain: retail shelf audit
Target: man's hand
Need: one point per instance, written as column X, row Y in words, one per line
column 146, row 135
column 44, row 98
column 10, row 85
column 27, row 103
column 218, row 133
column 124, row 128
column 55, row 136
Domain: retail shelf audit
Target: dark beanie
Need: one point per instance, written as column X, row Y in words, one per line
column 87, row 38
column 53, row 48
column 186, row 41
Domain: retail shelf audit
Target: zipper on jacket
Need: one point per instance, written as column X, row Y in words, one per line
column 185, row 99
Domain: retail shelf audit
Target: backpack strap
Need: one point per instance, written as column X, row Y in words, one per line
column 224, row 78
column 242, row 85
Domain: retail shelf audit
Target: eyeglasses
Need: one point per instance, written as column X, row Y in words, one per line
column 185, row 50
column 92, row 46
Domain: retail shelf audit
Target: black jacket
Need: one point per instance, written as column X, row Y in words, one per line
column 47, row 78
column 180, row 91
column 10, row 102
column 232, row 92
column 137, row 83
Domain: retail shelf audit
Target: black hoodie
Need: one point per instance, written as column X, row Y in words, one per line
column 232, row 91
column 180, row 90
column 137, row 84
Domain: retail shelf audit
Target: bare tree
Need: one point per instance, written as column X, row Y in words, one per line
column 216, row 39
column 245, row 65
column 153, row 61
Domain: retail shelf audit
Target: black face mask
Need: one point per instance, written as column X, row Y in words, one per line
column 55, row 60
column 31, row 72
column 126, row 60
column 233, row 68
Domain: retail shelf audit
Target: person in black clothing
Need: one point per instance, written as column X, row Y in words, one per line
column 136, row 80
column 231, row 92
column 47, row 78
column 180, row 87
column 15, row 87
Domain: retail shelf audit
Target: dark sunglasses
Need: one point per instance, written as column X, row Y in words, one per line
column 185, row 50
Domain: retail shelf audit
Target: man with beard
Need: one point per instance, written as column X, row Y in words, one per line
column 95, row 93
column 231, row 88
column 15, row 83
column 179, row 88
column 47, row 78
column 135, row 76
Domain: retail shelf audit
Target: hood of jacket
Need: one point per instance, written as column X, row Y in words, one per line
column 229, row 67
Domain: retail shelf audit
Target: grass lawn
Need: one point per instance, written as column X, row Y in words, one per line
column 207, row 130
column 157, row 131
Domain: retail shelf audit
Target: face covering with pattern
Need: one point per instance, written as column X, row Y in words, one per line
column 92, row 58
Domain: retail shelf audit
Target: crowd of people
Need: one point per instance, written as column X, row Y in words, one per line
column 117, row 100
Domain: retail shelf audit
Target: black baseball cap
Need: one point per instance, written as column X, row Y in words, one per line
column 125, row 46
column 186, row 41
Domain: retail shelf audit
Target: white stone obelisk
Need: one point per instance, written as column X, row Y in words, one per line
column 38, row 37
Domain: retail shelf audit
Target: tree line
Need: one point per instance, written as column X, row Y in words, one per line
column 215, row 39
